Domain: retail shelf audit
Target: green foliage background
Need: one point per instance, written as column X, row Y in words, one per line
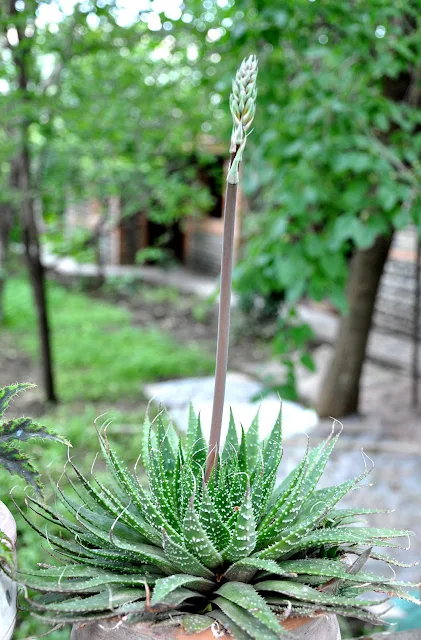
column 120, row 109
column 336, row 162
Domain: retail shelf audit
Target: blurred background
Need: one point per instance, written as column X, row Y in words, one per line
column 114, row 137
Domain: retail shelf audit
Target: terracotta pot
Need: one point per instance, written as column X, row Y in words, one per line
column 8, row 588
column 322, row 628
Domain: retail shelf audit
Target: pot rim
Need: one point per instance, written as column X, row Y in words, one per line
column 297, row 622
column 290, row 624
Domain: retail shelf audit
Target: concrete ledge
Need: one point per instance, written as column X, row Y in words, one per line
column 400, row 635
column 178, row 277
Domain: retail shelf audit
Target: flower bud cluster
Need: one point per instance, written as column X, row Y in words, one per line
column 243, row 101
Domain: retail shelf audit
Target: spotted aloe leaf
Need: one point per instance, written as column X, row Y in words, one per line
column 197, row 540
column 192, row 428
column 237, row 484
column 196, row 623
column 303, row 592
column 397, row 590
column 231, row 440
column 243, row 539
column 309, row 518
column 182, row 559
column 272, row 522
column 212, row 522
column 375, row 555
column 331, row 569
column 107, row 501
column 144, row 451
column 339, row 515
column 245, row 620
column 244, row 569
column 229, row 625
column 164, row 586
column 162, row 489
column 245, row 596
column 318, row 461
column 97, row 582
column 165, row 437
column 106, row 599
column 188, row 487
column 242, row 456
column 198, row 453
column 252, row 443
column 221, row 495
column 350, row 536
column 272, row 452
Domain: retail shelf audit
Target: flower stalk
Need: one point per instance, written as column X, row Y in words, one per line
column 242, row 106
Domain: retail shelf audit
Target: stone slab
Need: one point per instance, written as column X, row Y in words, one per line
column 243, row 394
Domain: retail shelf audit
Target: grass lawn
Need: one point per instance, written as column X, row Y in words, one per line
column 101, row 361
column 98, row 355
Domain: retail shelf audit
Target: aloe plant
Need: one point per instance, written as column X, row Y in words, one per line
column 12, row 458
column 235, row 550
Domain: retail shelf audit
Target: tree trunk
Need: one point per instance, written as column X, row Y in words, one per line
column 4, row 251
column 36, row 271
column 6, row 219
column 23, row 58
column 99, row 258
column 341, row 386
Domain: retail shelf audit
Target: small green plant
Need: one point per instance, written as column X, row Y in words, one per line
column 234, row 550
column 12, row 458
column 156, row 255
